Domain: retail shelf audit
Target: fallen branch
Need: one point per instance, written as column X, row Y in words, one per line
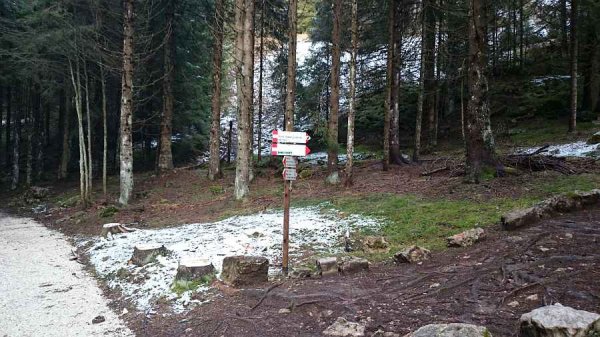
column 434, row 171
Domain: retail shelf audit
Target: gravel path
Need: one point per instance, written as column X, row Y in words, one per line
column 42, row 292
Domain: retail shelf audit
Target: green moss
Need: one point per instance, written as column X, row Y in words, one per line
column 181, row 286
column 216, row 190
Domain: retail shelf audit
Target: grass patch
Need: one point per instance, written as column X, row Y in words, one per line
column 550, row 131
column 413, row 220
column 566, row 184
column 181, row 286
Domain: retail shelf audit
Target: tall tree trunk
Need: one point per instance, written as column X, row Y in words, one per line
column 7, row 135
column 165, row 156
column 521, row 33
column 395, row 155
column 89, row 162
column 429, row 27
column 480, row 148
column 76, row 81
column 40, row 135
column 389, row 88
column 290, row 97
column 104, row 130
column 29, row 120
column 351, row 111
column 66, row 144
column 214, row 166
column 573, row 64
column 332, row 138
column 261, row 49
column 245, row 36
column 126, row 149
column 16, row 147
column 421, row 93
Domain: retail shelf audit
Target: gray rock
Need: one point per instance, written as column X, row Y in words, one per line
column 327, row 266
column 243, row 270
column 466, row 238
column 451, row 330
column 556, row 321
column 98, row 319
column 381, row 333
column 595, row 138
column 354, row 265
column 412, row 254
column 519, row 218
column 341, row 327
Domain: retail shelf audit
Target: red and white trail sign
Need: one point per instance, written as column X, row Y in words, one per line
column 290, row 174
column 290, row 162
column 299, row 150
column 289, row 137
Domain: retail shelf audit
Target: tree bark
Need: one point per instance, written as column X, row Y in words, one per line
column 332, row 138
column 29, row 120
column 421, row 95
column 291, row 68
column 66, row 144
column 165, row 156
column 214, row 166
column 429, row 34
column 480, row 148
column 16, row 147
column 7, row 135
column 389, row 92
column 126, row 149
column 104, row 130
column 564, row 28
column 244, row 155
column 573, row 64
column 76, row 81
column 89, row 161
column 351, row 111
column 261, row 67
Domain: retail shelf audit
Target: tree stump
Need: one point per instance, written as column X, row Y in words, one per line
column 194, row 269
column 245, row 270
column 144, row 254
column 114, row 228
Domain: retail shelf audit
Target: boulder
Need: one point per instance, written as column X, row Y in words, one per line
column 144, row 254
column 354, row 265
column 451, row 330
column 341, row 327
column 520, row 218
column 327, row 266
column 466, row 238
column 412, row 254
column 242, row 270
column 590, row 198
column 556, row 321
column 374, row 244
column 594, row 139
column 194, row 269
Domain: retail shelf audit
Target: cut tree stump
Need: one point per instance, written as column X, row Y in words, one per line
column 144, row 254
column 114, row 228
column 327, row 266
column 194, row 269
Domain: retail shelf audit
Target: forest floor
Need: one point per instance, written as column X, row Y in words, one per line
column 470, row 285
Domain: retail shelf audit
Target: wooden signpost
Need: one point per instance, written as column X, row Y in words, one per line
column 290, row 145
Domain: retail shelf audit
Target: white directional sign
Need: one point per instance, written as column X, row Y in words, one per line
column 290, row 174
column 289, row 150
column 289, row 137
column 290, row 162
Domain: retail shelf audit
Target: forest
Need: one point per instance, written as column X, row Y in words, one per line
column 144, row 132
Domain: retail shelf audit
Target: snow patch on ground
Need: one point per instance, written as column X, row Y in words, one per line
column 313, row 229
column 577, row 149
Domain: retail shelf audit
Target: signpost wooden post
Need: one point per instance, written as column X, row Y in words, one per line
column 290, row 145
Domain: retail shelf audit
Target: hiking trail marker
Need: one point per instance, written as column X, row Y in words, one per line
column 290, row 145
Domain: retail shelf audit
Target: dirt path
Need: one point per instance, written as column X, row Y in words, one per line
column 492, row 283
column 42, row 292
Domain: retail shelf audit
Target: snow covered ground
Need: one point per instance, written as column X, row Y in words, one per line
column 320, row 158
column 317, row 229
column 577, row 149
